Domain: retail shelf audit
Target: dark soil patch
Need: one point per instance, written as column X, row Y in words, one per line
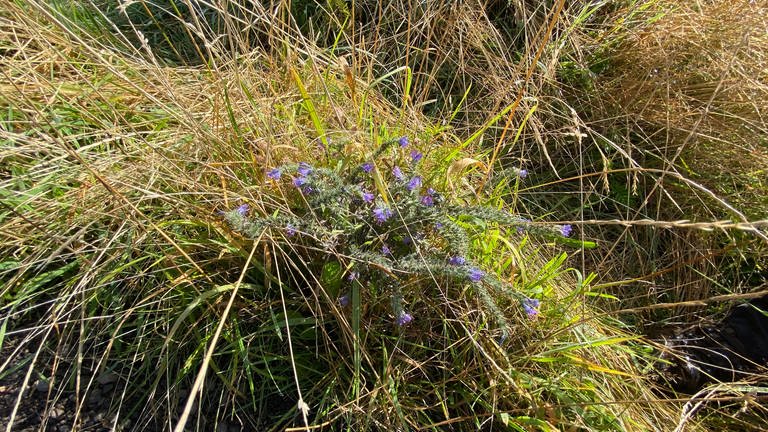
column 46, row 404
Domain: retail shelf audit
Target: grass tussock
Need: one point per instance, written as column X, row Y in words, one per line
column 679, row 85
column 148, row 243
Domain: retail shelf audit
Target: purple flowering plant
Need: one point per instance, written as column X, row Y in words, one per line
column 382, row 214
column 404, row 319
column 274, row 173
column 299, row 181
column 393, row 222
column 243, row 209
column 475, row 274
column 304, row 169
column 416, row 156
column 531, row 307
column 414, row 183
column 398, row 173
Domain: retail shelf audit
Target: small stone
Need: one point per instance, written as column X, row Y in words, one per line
column 106, row 378
column 42, row 386
column 56, row 413
column 95, row 398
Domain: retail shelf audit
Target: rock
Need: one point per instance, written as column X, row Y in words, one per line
column 56, row 413
column 42, row 386
column 729, row 350
column 107, row 378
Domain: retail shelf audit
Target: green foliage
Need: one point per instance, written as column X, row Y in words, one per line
column 470, row 319
column 407, row 231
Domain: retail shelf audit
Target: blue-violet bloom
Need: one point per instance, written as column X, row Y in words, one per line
column 531, row 307
column 243, row 209
column 521, row 228
column 414, row 184
column 457, row 261
column 368, row 197
column 403, row 141
column 304, row 169
column 299, row 181
column 427, row 201
column 290, row 230
column 367, row 167
column 385, row 250
column 565, row 230
column 398, row 173
column 275, row 173
column 404, row 319
column 382, row 214
column 416, row 156
column 344, row 300
column 475, row 274
column 522, row 173
column 353, row 275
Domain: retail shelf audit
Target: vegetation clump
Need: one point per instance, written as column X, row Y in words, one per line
column 385, row 224
column 210, row 217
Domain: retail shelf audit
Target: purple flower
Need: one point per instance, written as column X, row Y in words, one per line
column 522, row 173
column 531, row 307
column 416, row 156
column 382, row 214
column 306, row 190
column 429, row 199
column 386, row 250
column 353, row 275
column 565, row 230
column 344, row 300
column 475, row 274
column 415, row 183
column 304, row 169
column 242, row 209
column 368, row 197
column 521, row 228
column 404, row 319
column 403, row 141
column 367, row 167
column 438, row 225
column 290, row 230
column 275, row 173
column 398, row 173
column 457, row 261
column 299, row 181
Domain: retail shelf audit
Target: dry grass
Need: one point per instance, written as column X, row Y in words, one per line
column 680, row 88
column 116, row 161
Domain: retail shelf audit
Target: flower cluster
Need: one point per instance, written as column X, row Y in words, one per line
column 531, row 307
column 404, row 228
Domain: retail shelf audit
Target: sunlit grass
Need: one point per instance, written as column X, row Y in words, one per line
column 118, row 159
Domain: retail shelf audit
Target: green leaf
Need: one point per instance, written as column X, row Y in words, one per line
column 331, row 278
